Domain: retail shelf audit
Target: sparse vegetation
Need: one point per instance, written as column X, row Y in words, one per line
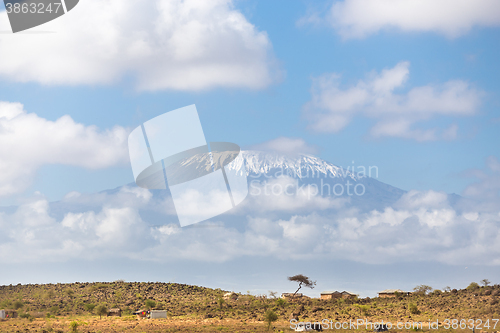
column 89, row 307
column 101, row 310
column 150, row 304
column 74, row 326
column 422, row 289
column 270, row 317
column 473, row 286
column 413, row 309
column 302, row 280
column 186, row 304
column 485, row 282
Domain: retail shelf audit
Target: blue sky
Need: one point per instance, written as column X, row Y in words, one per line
column 301, row 52
column 416, row 95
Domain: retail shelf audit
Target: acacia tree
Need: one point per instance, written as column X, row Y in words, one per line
column 270, row 317
column 101, row 310
column 302, row 280
column 485, row 282
column 422, row 289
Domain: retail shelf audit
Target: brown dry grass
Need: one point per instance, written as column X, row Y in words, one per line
column 196, row 309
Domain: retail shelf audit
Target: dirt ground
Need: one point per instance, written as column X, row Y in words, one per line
column 133, row 325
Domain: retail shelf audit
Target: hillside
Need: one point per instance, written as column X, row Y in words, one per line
column 199, row 303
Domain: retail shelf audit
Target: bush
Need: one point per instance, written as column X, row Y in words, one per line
column 473, row 286
column 365, row 309
column 270, row 317
column 73, row 326
column 413, row 309
column 101, row 310
column 422, row 289
column 89, row 307
column 280, row 302
column 17, row 305
column 24, row 315
column 220, row 301
column 150, row 304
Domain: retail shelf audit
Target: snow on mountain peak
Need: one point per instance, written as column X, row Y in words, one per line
column 300, row 166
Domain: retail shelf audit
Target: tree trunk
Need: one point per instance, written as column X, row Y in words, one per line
column 300, row 286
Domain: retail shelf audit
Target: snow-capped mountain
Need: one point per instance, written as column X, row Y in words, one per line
column 299, row 166
column 261, row 168
column 330, row 180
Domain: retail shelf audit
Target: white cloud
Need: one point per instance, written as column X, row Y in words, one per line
column 286, row 194
column 28, row 142
column 332, row 107
column 287, row 146
column 486, row 190
column 451, row 18
column 422, row 226
column 162, row 44
column 32, row 234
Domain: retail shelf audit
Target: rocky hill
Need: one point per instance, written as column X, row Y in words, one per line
column 182, row 300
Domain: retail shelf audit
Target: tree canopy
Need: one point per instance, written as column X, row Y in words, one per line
column 302, row 281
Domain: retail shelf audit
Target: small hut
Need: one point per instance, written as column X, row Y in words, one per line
column 347, row 295
column 157, row 314
column 330, row 294
column 141, row 314
column 230, row 296
column 115, row 312
column 6, row 314
column 291, row 295
column 392, row 293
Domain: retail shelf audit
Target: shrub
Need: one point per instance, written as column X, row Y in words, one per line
column 17, row 305
column 485, row 282
column 73, row 326
column 280, row 302
column 422, row 289
column 270, row 317
column 413, row 309
column 364, row 309
column 101, row 310
column 89, row 307
column 24, row 315
column 220, row 301
column 150, row 304
column 473, row 286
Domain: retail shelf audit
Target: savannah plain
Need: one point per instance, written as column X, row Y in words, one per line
column 80, row 307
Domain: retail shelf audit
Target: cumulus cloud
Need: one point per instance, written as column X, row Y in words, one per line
column 286, row 194
column 31, row 233
column 484, row 192
column 287, row 146
column 161, row 44
column 422, row 225
column 333, row 107
column 28, row 142
column 451, row 18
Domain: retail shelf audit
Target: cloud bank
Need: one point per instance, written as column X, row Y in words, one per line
column 28, row 142
column 286, row 146
column 333, row 107
column 451, row 18
column 421, row 226
column 160, row 44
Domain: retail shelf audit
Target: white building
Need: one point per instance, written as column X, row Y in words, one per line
column 157, row 314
